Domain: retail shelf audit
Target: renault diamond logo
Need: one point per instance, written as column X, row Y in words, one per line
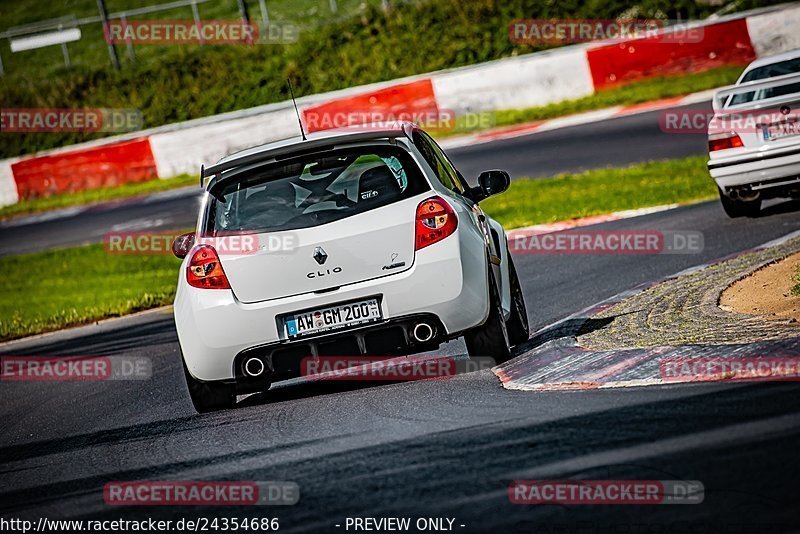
column 319, row 255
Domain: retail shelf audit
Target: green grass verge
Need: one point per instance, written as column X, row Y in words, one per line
column 50, row 290
column 796, row 279
column 601, row 191
column 97, row 195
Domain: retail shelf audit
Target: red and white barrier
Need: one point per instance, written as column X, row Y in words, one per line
column 182, row 151
column 774, row 32
column 101, row 166
column 725, row 43
column 8, row 186
column 413, row 98
column 520, row 82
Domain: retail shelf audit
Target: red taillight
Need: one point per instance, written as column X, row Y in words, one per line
column 205, row 270
column 723, row 141
column 435, row 221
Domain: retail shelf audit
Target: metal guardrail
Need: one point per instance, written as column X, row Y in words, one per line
column 40, row 27
column 71, row 21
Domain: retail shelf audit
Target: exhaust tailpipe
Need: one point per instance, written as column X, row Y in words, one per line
column 253, row 367
column 422, row 332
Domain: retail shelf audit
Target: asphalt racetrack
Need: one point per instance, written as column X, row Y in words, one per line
column 435, row 448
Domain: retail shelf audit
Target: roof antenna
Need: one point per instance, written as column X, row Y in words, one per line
column 291, row 92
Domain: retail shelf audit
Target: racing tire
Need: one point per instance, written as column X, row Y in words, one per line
column 739, row 208
column 517, row 324
column 491, row 338
column 209, row 396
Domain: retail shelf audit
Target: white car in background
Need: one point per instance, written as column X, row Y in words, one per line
column 754, row 138
column 388, row 253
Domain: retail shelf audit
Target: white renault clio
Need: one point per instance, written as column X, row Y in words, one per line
column 357, row 241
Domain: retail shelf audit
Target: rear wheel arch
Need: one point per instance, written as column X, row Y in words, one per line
column 500, row 243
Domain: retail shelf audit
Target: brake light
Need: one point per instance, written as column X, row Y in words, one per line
column 435, row 221
column 205, row 270
column 723, row 141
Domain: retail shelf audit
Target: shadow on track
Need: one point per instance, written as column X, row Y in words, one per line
column 787, row 206
column 465, row 472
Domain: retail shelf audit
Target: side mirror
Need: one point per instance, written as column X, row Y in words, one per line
column 491, row 183
column 183, row 244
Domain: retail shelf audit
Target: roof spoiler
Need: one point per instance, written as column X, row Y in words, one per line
column 722, row 96
column 311, row 145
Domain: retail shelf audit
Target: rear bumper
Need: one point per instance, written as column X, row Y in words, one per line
column 762, row 172
column 284, row 360
column 447, row 282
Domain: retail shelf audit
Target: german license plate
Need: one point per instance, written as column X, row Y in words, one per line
column 333, row 317
column 780, row 130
